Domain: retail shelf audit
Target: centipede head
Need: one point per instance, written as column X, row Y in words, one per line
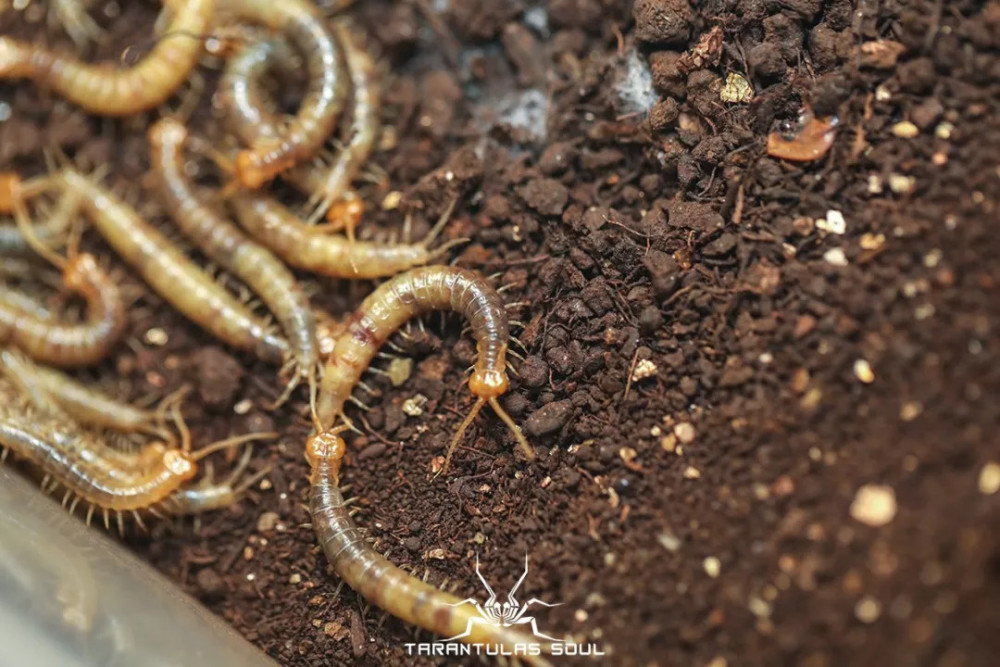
column 10, row 186
column 167, row 131
column 180, row 464
column 488, row 385
column 78, row 271
column 326, row 447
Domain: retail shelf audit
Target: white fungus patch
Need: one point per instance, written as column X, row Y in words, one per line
column 634, row 85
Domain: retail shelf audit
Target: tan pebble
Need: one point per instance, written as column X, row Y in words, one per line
column 868, row 609
column 910, row 411
column 685, row 432
column 863, row 371
column 712, row 566
column 669, row 442
column 267, row 521
column 872, row 241
column 874, row 505
column 989, row 478
column 627, row 454
column 644, row 369
column 692, row 473
column 905, row 130
column 295, row 579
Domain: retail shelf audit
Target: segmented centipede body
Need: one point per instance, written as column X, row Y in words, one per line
column 78, row 400
column 229, row 246
column 172, row 274
column 106, row 89
column 249, row 116
column 308, row 247
column 304, row 26
column 393, row 303
column 13, row 194
column 87, row 467
column 61, row 344
column 378, row 580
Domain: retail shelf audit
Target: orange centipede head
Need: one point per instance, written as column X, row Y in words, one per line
column 346, row 212
column 326, row 447
column 180, row 464
column 10, row 185
column 167, row 131
column 488, row 383
column 78, row 269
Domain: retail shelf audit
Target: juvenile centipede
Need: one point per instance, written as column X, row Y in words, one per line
column 249, row 117
column 405, row 296
column 60, row 343
column 80, row 462
column 313, row 249
column 78, row 400
column 172, row 274
column 229, row 246
column 303, row 25
column 104, row 88
column 374, row 577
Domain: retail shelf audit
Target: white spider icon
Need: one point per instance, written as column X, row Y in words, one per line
column 504, row 614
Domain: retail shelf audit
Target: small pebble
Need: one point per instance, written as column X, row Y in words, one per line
column 905, row 130
column 989, row 478
column 863, row 371
column 712, row 566
column 685, row 432
column 267, row 521
column 835, row 257
column 692, row 473
column 644, row 369
column 868, row 609
column 874, row 505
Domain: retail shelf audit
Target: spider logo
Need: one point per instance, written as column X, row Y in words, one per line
column 504, row 614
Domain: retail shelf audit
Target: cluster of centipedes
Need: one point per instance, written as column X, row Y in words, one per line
column 69, row 431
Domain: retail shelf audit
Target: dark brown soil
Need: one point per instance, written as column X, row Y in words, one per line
column 701, row 515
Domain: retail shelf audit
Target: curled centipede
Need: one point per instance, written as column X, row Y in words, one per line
column 225, row 243
column 106, row 89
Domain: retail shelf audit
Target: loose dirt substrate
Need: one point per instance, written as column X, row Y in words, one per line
column 701, row 515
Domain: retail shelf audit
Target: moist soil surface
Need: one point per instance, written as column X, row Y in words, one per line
column 762, row 393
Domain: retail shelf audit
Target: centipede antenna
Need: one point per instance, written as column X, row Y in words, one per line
column 477, row 406
column 440, row 224
column 358, row 403
column 251, row 480
column 514, row 428
column 441, row 250
column 290, row 387
column 26, row 227
column 231, row 442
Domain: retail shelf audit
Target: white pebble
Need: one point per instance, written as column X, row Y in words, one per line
column 874, row 505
